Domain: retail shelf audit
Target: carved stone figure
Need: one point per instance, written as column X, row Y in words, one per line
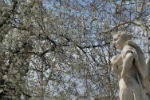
column 133, row 75
column 125, row 92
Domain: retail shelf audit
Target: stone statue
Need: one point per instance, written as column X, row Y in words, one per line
column 125, row 92
column 130, row 69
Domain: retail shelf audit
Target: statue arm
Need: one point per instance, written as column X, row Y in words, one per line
column 115, row 65
column 127, row 63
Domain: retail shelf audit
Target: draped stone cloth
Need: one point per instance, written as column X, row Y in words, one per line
column 139, row 61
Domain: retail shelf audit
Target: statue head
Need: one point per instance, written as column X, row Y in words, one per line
column 120, row 39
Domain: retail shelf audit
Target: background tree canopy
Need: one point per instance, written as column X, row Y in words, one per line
column 61, row 49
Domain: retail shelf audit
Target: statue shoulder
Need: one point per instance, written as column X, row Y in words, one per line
column 128, row 49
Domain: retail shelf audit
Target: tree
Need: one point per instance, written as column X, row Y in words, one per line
column 62, row 48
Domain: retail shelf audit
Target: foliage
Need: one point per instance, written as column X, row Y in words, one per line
column 61, row 49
